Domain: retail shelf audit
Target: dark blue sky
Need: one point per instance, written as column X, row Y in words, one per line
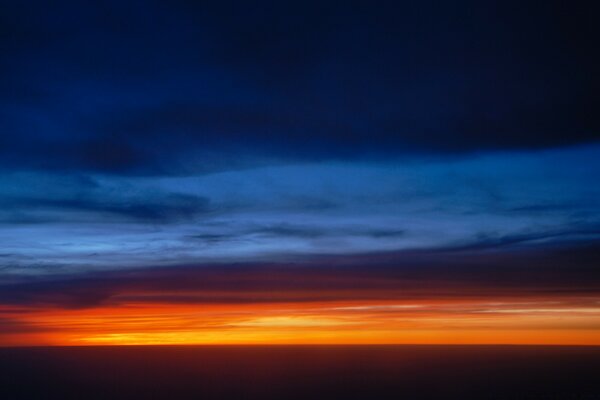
column 183, row 87
column 138, row 134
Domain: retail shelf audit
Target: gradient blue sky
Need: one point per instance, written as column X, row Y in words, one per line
column 451, row 141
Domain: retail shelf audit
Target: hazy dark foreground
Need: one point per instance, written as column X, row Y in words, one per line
column 301, row 372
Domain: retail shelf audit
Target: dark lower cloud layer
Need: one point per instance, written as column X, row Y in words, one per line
column 539, row 271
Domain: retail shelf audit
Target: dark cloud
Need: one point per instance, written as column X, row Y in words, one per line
column 485, row 241
column 154, row 87
column 167, row 208
column 307, row 232
column 284, row 231
column 533, row 271
column 43, row 198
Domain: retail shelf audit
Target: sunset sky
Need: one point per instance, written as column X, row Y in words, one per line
column 182, row 172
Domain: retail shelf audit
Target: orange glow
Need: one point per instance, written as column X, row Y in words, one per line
column 471, row 321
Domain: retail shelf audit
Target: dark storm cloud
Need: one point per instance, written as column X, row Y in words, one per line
column 172, row 87
column 570, row 270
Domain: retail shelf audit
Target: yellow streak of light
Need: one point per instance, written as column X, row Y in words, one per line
column 568, row 321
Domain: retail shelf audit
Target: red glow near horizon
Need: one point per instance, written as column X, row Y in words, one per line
column 455, row 321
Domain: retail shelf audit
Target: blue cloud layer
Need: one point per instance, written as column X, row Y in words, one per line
column 59, row 223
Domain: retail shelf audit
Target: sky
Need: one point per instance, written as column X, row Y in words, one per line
column 299, row 172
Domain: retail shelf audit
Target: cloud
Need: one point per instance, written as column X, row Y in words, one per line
column 180, row 88
column 409, row 275
column 165, row 209
column 284, row 230
column 45, row 198
column 62, row 222
column 14, row 325
column 490, row 242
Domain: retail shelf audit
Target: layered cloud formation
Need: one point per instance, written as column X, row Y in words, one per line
column 66, row 223
column 343, row 159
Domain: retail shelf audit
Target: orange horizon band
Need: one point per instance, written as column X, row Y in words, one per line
column 483, row 321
